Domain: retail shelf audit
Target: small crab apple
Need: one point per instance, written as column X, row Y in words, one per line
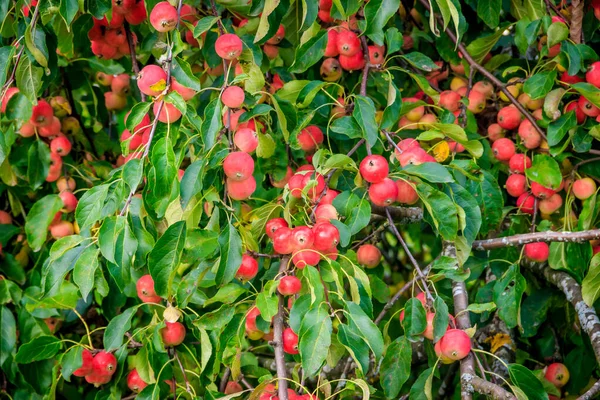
column 290, row 341
column 10, row 92
column 529, row 135
column 5, row 218
column 41, row 114
column 331, row 50
column 172, row 334
column 233, row 387
column 406, row 192
column 450, row 100
column 503, row 149
column 271, row 51
column 326, row 235
column 152, row 80
column 428, row 333
column 145, row 290
column 374, row 168
column 69, row 200
column 455, row 344
column 241, row 190
column 120, row 85
column 60, row 145
column 368, row 255
column 516, row 185
column 348, row 43
column 525, row 203
column 104, row 79
column 584, row 188
column 331, row 70
column 168, row 113
column 477, row 102
column 592, row 76
column 310, row 138
column 104, row 363
column 251, row 329
column 519, row 163
column 328, row 198
column 247, row 269
column 376, row 54
column 540, row 191
column 416, row 113
column 246, row 140
column 302, row 237
column 484, row 87
column 495, row 132
column 509, row 117
column 352, row 63
column 114, row 102
column 86, row 364
column 551, row 204
column 97, row 379
column 233, row 96
column 325, row 212
column 587, row 107
column 441, row 356
column 273, row 225
column 289, row 285
column 52, row 129
column 283, row 181
column 278, row 37
column 579, row 114
column 383, row 193
column 135, row 383
column 135, row 141
column 557, row 374
column 238, row 166
column 185, row 92
column 537, row 252
column 229, row 46
column 163, row 17
column 282, row 240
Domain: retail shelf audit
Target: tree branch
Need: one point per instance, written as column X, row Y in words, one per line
column 576, row 28
column 587, row 315
column 591, row 393
column 499, row 84
column 134, row 63
column 522, row 239
column 401, row 215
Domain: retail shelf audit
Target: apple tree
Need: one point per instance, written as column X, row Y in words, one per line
column 279, row 199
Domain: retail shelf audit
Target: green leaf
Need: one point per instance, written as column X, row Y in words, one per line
column 488, row 195
column 6, row 54
column 89, row 208
column 36, row 43
column 421, row 389
column 204, row 24
column 440, row 319
column 8, row 333
column 164, row 258
column 545, row 171
column 68, row 10
column 347, row 126
column 557, row 32
column 420, row 61
column 525, row 380
column 85, row 269
column 377, row 14
column 396, row 366
column 71, row 361
column 539, row 85
column 136, row 115
column 526, row 33
column 29, row 79
column 364, row 114
column 113, row 335
column 310, row 52
column 191, row 183
column 40, row 348
column 355, row 344
column 559, row 128
column 570, row 257
column 489, row 12
column 212, row 123
column 368, row 330
column 589, row 91
column 463, row 198
column 527, row 9
column 315, row 339
column 98, row 8
column 39, row 218
column 414, row 322
column 231, row 254
column 441, row 211
column 217, row 319
column 480, row 47
column 182, row 71
column 38, row 163
column 266, row 301
column 432, row 172
column 508, row 292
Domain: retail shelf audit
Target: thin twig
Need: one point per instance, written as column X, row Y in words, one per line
column 277, row 342
column 224, row 380
column 188, row 387
column 524, row 238
column 134, row 63
column 591, row 393
column 246, row 383
column 409, row 254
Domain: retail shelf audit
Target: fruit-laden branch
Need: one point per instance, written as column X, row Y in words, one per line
column 474, row 64
column 470, row 382
column 587, row 315
column 522, row 239
column 13, row 74
column 277, row 342
column 168, row 63
column 400, row 215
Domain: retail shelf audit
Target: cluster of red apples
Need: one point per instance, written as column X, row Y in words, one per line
column 109, row 39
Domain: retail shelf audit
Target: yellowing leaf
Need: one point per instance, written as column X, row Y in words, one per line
column 441, row 151
column 159, row 86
